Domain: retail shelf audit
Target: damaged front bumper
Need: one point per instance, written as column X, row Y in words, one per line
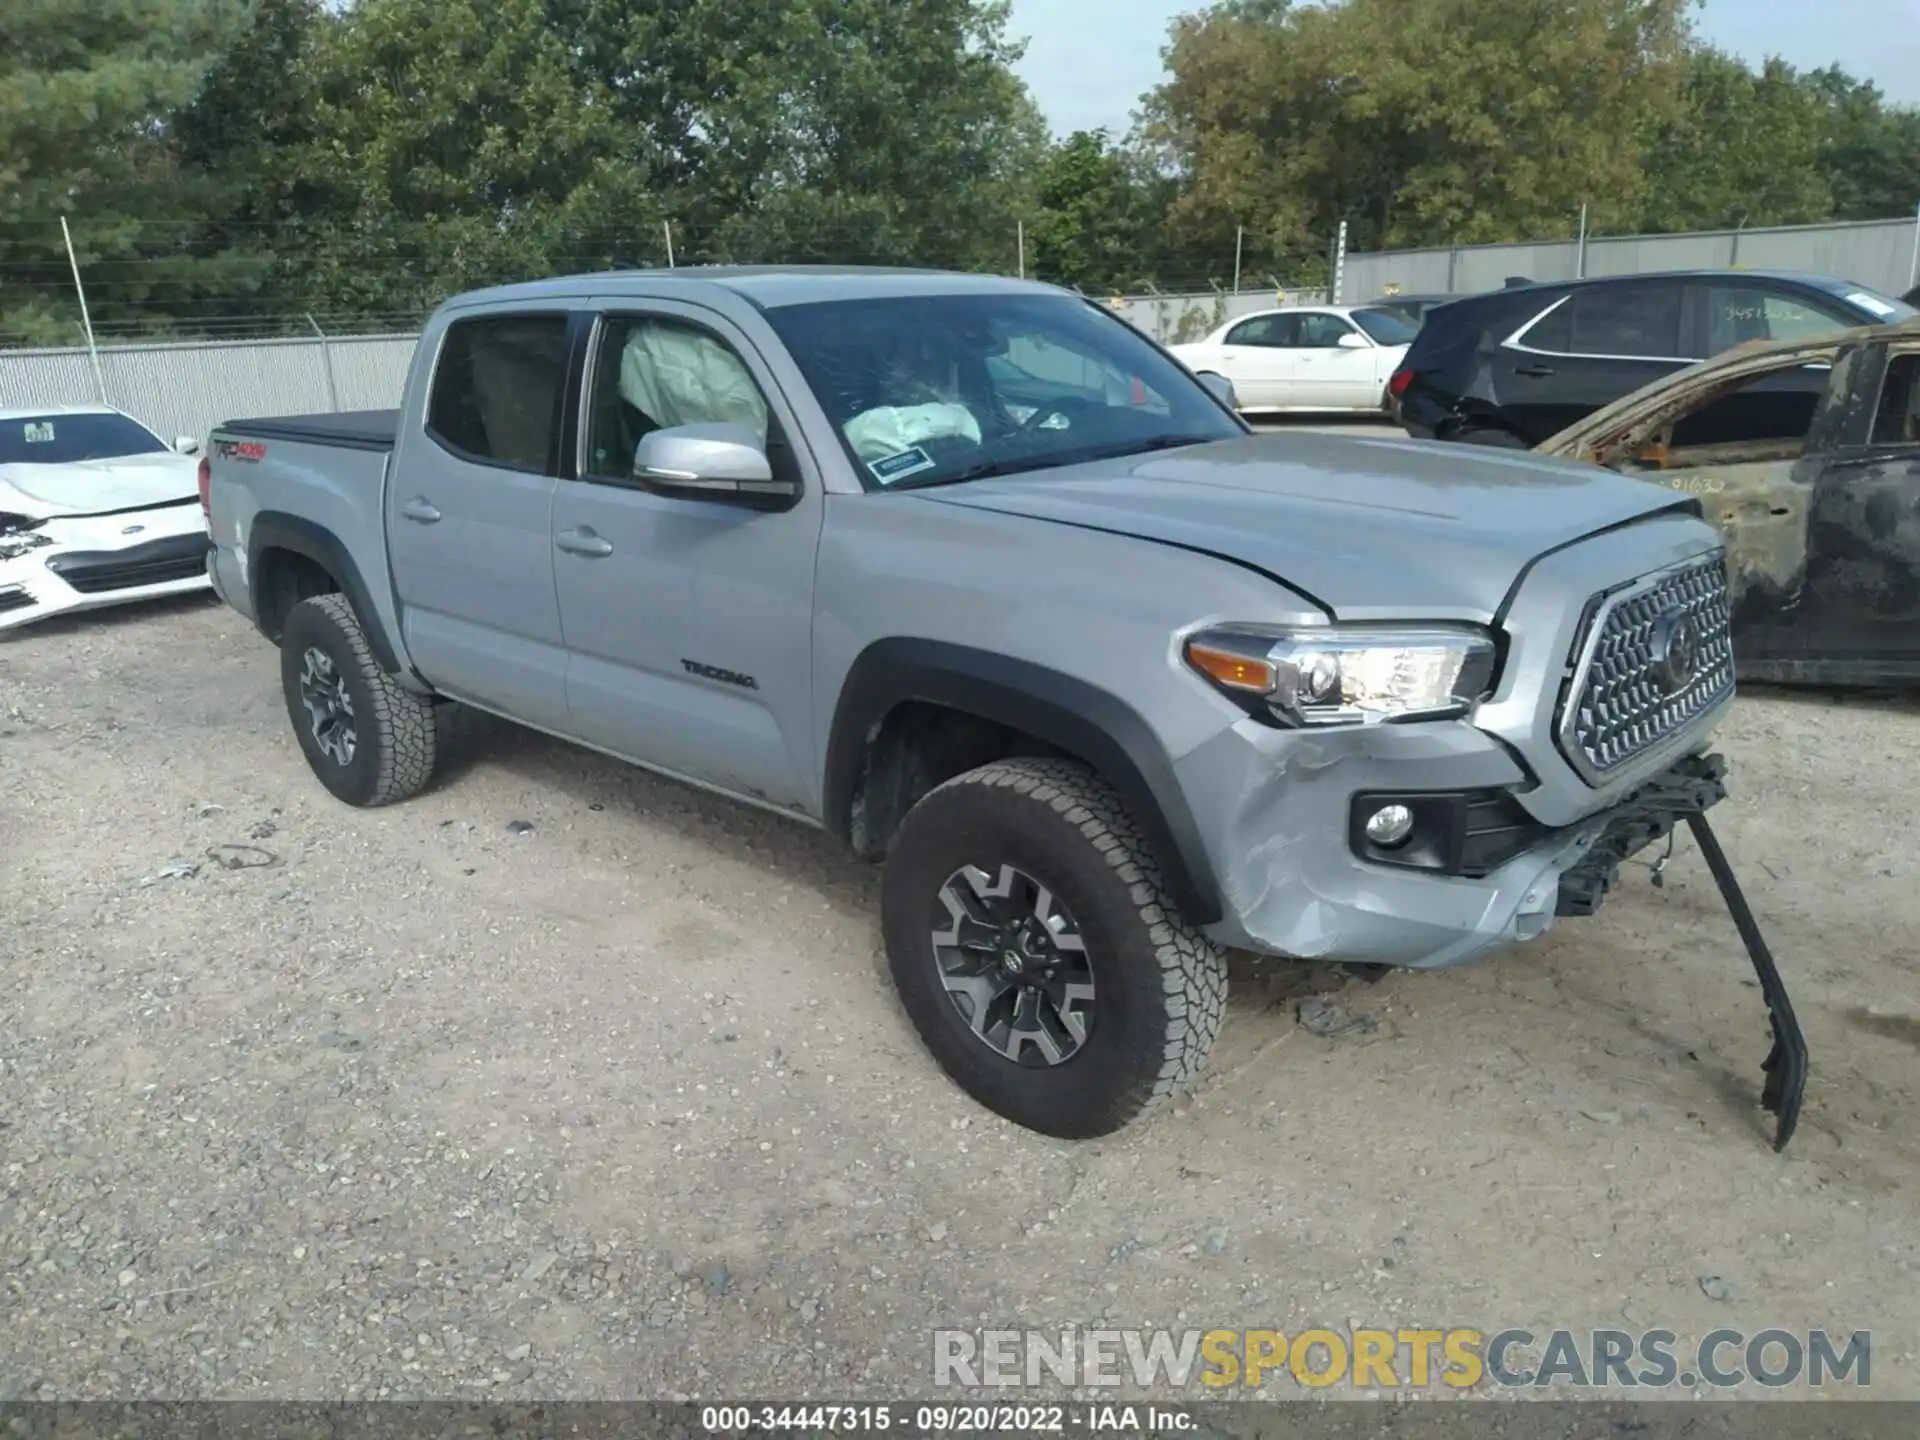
column 1485, row 875
column 75, row 563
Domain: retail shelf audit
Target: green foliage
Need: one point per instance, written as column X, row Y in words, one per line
column 1098, row 211
column 87, row 91
column 1448, row 121
column 222, row 159
column 1746, row 149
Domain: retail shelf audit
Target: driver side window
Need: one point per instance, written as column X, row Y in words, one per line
column 1321, row 332
column 652, row 373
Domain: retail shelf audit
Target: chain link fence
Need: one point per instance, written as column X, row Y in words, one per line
column 185, row 388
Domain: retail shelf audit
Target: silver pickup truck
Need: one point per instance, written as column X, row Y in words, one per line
column 977, row 577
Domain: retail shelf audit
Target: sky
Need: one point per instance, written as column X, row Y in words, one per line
column 1088, row 61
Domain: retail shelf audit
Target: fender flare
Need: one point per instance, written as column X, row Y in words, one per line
column 1063, row 711
column 277, row 530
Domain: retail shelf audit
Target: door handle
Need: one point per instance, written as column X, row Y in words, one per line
column 418, row 509
column 583, row 542
column 1538, row 372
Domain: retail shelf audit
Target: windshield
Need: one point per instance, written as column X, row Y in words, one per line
column 63, row 439
column 929, row 390
column 1884, row 309
column 1387, row 327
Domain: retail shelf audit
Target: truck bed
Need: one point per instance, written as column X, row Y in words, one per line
column 345, row 429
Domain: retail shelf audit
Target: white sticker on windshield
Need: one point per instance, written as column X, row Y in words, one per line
column 40, row 433
column 1871, row 304
column 899, row 465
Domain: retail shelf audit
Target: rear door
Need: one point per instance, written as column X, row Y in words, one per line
column 1258, row 356
column 688, row 621
column 467, row 515
column 1862, row 610
column 1589, row 348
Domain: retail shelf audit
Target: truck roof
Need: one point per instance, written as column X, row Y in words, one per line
column 768, row 286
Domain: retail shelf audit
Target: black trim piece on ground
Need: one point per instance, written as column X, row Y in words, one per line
column 276, row 530
column 345, row 429
column 1079, row 718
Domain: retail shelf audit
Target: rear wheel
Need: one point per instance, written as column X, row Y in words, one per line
column 369, row 741
column 1036, row 952
column 1491, row 435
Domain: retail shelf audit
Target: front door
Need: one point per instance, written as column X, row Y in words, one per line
column 688, row 622
column 467, row 517
column 1862, row 610
column 1327, row 374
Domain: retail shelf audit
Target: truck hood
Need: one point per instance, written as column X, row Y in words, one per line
column 98, row 487
column 1363, row 527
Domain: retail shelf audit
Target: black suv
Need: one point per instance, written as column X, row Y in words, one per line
column 1514, row 366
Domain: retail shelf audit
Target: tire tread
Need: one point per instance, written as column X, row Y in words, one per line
column 1193, row 970
column 404, row 725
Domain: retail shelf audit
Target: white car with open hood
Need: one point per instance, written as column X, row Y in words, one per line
column 95, row 509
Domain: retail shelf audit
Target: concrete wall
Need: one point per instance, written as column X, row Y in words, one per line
column 1875, row 253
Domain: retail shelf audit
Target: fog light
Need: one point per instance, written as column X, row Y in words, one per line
column 1389, row 826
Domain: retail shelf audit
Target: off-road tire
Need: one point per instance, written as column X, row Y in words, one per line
column 1161, row 986
column 396, row 736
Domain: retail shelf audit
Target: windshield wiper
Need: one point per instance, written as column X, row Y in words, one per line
column 988, row 469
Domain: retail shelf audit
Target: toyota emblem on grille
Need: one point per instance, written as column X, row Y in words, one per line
column 1676, row 650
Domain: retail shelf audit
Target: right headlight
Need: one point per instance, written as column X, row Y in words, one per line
column 1348, row 674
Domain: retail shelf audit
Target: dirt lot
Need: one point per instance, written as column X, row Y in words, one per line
column 624, row 1106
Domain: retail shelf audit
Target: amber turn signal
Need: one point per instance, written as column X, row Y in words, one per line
column 1236, row 671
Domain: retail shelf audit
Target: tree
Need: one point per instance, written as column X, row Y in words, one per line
column 1746, row 148
column 1871, row 150
column 1098, row 216
column 451, row 143
column 87, row 92
column 1449, row 121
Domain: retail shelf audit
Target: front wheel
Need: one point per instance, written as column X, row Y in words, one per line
column 1036, row 952
column 369, row 741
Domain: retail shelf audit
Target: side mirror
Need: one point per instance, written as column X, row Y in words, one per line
column 1222, row 389
column 719, row 461
column 1353, row 341
column 186, row 445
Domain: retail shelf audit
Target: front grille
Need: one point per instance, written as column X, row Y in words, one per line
column 178, row 557
column 14, row 598
column 1627, row 692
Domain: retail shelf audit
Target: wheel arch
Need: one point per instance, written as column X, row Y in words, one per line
column 274, row 532
column 1066, row 715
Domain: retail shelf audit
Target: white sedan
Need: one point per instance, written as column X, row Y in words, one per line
column 1327, row 358
column 95, row 509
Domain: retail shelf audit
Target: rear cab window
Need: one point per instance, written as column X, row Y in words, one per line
column 497, row 390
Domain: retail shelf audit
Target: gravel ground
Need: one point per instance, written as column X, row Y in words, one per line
column 564, row 1081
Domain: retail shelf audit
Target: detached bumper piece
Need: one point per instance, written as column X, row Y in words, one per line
column 1652, row 814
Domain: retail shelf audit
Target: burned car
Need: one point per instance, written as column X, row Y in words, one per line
column 1815, row 487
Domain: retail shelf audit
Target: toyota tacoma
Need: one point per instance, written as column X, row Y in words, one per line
column 975, row 576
